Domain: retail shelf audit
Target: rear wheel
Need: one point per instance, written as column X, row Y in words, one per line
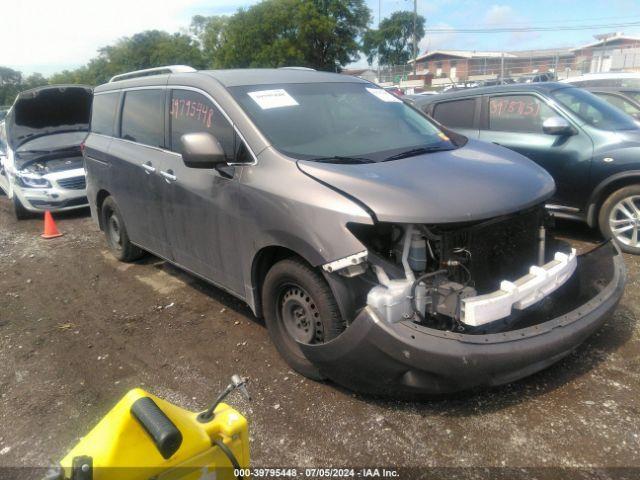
column 116, row 233
column 620, row 218
column 299, row 307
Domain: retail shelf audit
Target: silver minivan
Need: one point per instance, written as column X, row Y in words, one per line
column 383, row 252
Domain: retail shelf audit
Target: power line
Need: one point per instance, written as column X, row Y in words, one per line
column 544, row 22
column 532, row 29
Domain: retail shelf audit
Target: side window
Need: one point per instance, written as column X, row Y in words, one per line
column 192, row 112
column 103, row 113
column 518, row 113
column 619, row 102
column 456, row 114
column 143, row 117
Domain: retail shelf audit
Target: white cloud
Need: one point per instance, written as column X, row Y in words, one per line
column 444, row 41
column 50, row 33
column 505, row 15
column 500, row 14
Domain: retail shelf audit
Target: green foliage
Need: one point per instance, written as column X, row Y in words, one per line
column 12, row 82
column 148, row 49
column 210, row 33
column 392, row 42
column 321, row 34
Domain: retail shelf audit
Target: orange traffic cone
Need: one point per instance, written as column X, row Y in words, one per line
column 50, row 229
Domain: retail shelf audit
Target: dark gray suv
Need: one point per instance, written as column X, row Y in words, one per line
column 383, row 252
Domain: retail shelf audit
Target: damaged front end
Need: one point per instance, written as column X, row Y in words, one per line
column 441, row 308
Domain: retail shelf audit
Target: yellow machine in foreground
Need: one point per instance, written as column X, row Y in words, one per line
column 145, row 437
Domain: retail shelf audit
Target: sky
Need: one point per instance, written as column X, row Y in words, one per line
column 47, row 36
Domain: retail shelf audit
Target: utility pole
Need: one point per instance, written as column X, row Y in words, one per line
column 415, row 46
column 379, row 17
column 501, row 66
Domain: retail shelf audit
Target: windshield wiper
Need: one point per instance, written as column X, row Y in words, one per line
column 343, row 160
column 417, row 151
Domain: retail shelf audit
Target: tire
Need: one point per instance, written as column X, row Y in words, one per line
column 295, row 296
column 116, row 233
column 19, row 211
column 619, row 218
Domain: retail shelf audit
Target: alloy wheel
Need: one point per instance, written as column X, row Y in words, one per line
column 624, row 221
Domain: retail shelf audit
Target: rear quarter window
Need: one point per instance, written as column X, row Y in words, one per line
column 456, row 113
column 103, row 113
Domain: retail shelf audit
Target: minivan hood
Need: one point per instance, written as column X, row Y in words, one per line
column 48, row 110
column 474, row 182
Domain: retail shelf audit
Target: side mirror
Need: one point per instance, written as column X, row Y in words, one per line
column 557, row 126
column 201, row 150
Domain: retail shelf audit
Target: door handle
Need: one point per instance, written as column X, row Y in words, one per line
column 169, row 176
column 148, row 167
column 496, row 143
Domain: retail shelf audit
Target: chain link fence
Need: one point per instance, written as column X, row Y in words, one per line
column 510, row 67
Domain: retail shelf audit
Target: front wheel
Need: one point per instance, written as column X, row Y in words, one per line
column 299, row 307
column 619, row 218
column 116, row 233
column 19, row 211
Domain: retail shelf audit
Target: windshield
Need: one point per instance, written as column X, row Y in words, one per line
column 339, row 122
column 594, row 110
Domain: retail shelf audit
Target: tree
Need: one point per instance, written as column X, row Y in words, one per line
column 148, row 49
column 34, row 80
column 392, row 42
column 10, row 81
column 210, row 33
column 332, row 35
column 13, row 82
column 321, row 34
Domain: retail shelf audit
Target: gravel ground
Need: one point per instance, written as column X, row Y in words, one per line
column 78, row 329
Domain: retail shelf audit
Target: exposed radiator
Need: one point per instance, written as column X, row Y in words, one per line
column 499, row 249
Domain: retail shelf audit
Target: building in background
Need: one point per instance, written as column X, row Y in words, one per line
column 612, row 52
column 455, row 66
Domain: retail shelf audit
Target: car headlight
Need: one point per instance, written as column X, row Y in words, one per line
column 31, row 180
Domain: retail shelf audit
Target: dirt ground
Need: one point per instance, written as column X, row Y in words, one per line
column 78, row 329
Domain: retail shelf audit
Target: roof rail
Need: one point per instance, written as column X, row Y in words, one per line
column 298, row 68
column 153, row 71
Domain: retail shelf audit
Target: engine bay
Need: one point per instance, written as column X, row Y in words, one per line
column 474, row 277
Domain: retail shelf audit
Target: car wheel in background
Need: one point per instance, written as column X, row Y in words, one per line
column 299, row 307
column 620, row 218
column 116, row 233
column 19, row 211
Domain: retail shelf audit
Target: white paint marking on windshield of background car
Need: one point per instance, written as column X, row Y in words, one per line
column 383, row 95
column 273, row 98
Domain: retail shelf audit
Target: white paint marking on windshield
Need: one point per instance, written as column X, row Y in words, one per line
column 278, row 98
column 383, row 95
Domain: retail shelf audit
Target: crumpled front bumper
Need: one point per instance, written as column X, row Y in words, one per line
column 372, row 356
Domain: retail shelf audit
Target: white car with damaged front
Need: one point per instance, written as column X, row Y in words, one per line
column 41, row 164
